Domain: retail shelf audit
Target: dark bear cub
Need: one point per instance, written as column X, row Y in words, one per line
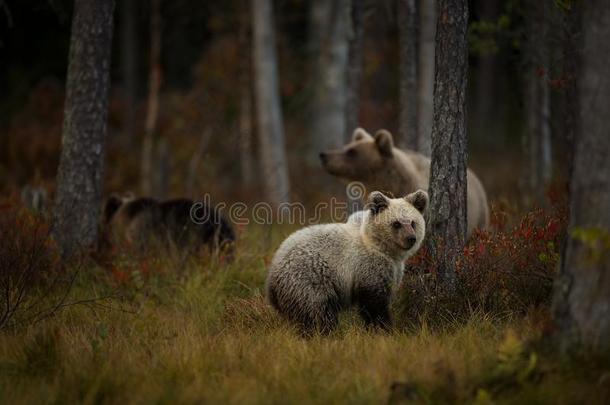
column 180, row 223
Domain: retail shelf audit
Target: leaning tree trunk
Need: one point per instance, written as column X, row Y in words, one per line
column 154, row 87
column 329, row 20
column 425, row 72
column 582, row 291
column 354, row 67
column 268, row 107
column 407, row 40
column 448, row 220
column 80, row 173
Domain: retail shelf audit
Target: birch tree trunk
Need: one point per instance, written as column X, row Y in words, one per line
column 407, row 42
column 329, row 20
column 425, row 70
column 582, row 291
column 448, row 222
column 80, row 173
column 268, row 107
column 152, row 112
column 354, row 67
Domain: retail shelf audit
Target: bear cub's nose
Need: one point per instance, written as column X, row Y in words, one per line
column 323, row 157
column 411, row 241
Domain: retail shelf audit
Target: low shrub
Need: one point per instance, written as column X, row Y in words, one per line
column 505, row 270
column 33, row 283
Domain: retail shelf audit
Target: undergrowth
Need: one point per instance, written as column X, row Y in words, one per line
column 200, row 330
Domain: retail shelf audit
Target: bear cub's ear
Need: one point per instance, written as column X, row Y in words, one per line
column 384, row 142
column 419, row 200
column 377, row 202
column 360, row 134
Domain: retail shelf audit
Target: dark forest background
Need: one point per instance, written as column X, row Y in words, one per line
column 205, row 47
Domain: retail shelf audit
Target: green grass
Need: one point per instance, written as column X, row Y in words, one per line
column 203, row 333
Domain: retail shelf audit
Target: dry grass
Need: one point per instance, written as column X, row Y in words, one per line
column 203, row 333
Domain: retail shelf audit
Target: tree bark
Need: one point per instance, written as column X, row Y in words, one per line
column 329, row 20
column 129, row 64
column 448, row 222
column 538, row 102
column 354, row 67
column 571, row 109
column 582, row 291
column 407, row 42
column 268, row 107
column 425, row 85
column 80, row 173
column 486, row 80
column 245, row 99
column 152, row 112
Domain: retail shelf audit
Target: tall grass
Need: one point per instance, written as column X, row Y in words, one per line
column 201, row 332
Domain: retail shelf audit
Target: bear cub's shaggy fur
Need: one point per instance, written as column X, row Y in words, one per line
column 322, row 269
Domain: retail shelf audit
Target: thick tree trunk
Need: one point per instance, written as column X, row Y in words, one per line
column 246, row 155
column 268, row 107
column 425, row 71
column 571, row 109
column 329, row 20
column 407, row 41
column 354, row 67
column 582, row 291
column 448, row 222
column 80, row 174
column 129, row 50
column 152, row 112
column 538, row 100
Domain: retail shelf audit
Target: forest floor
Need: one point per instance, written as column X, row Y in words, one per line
column 203, row 333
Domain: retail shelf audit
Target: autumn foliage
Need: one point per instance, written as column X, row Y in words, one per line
column 505, row 270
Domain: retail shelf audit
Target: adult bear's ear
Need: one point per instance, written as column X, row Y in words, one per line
column 419, row 200
column 384, row 142
column 360, row 135
column 112, row 205
column 377, row 202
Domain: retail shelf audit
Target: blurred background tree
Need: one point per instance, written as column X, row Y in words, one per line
column 206, row 137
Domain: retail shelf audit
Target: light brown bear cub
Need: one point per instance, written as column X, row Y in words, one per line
column 322, row 269
column 374, row 161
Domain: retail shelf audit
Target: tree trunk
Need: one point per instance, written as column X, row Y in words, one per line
column 486, row 80
column 571, row 109
column 448, row 222
column 246, row 155
column 129, row 49
column 425, row 70
column 152, row 112
column 582, row 291
column 354, row 67
column 329, row 20
column 407, row 40
column 268, row 107
column 538, row 100
column 80, row 173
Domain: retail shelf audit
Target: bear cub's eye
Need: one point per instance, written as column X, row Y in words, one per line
column 351, row 153
column 396, row 225
column 413, row 224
